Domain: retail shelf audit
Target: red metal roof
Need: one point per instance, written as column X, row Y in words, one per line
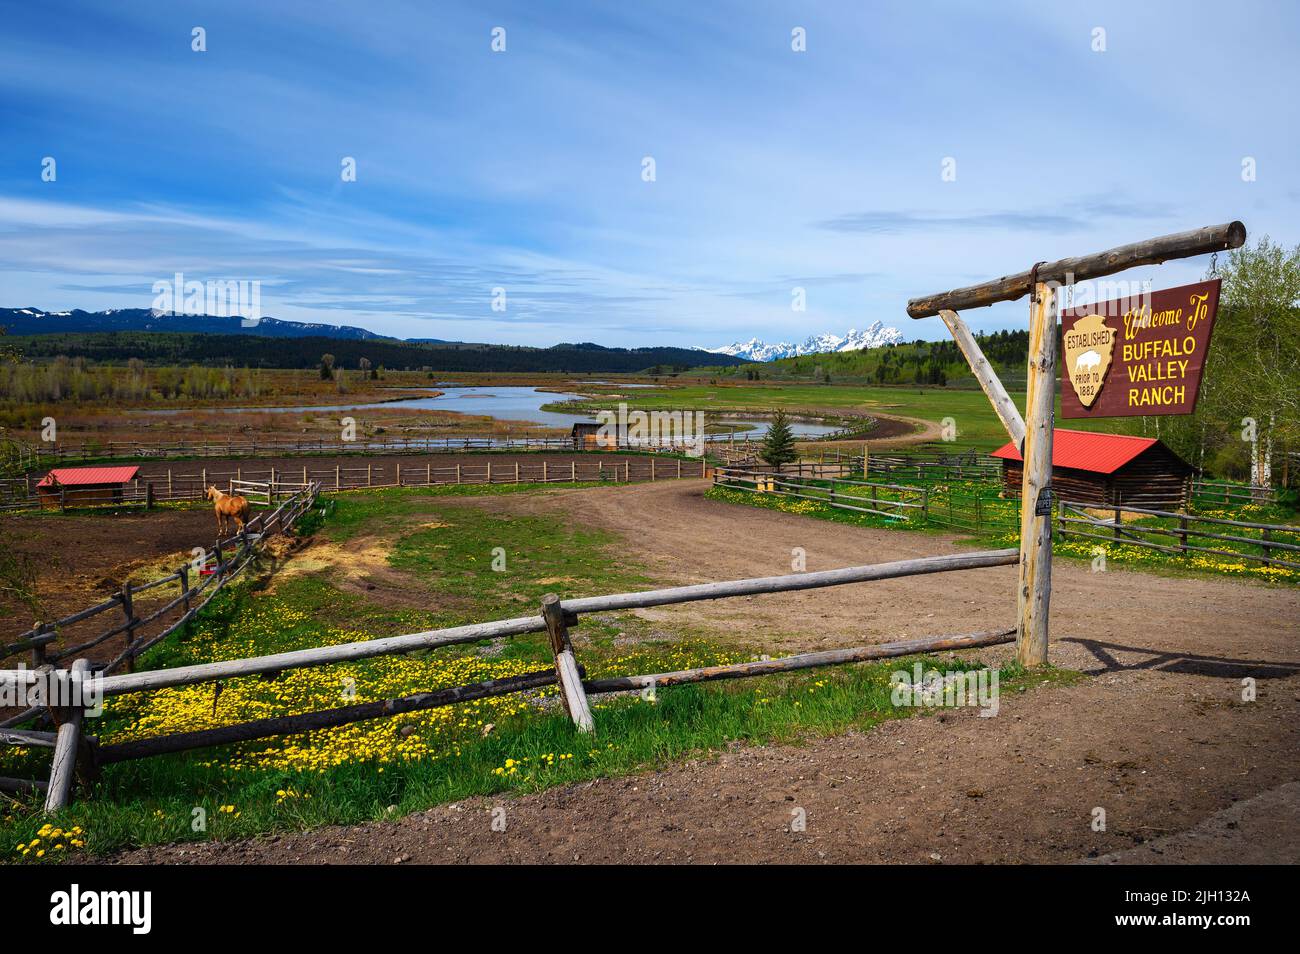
column 1084, row 450
column 80, row 476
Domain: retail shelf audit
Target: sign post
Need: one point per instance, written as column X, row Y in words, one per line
column 1033, row 598
column 1161, row 354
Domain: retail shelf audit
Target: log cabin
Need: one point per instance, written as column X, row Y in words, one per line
column 1107, row 470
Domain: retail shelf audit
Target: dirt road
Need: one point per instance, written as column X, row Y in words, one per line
column 1159, row 738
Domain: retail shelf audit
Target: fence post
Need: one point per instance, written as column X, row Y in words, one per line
column 185, row 585
column 148, row 493
column 399, row 473
column 170, row 495
column 573, row 471
column 1119, row 519
column 129, row 611
column 566, row 666
column 67, row 743
column 38, row 651
column 516, row 471
column 545, row 478
column 370, row 475
column 1182, row 534
column 458, row 472
column 1266, row 536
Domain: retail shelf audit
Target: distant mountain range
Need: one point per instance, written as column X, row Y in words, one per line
column 873, row 336
column 33, row 321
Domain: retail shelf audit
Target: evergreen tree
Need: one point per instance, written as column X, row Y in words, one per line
column 778, row 445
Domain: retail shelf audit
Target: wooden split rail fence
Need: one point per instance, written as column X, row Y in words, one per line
column 897, row 501
column 133, row 450
column 1228, row 494
column 1079, row 521
column 939, row 467
column 77, row 753
column 141, row 450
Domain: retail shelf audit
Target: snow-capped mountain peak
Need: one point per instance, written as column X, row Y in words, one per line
column 873, row 336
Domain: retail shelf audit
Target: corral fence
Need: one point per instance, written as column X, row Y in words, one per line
column 76, row 753
column 1080, row 521
column 895, row 501
column 195, row 583
column 270, row 447
column 1228, row 493
column 956, row 466
column 1187, row 534
column 60, row 453
column 190, row 482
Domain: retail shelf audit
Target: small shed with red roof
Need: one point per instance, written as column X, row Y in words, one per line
column 82, row 486
column 1107, row 469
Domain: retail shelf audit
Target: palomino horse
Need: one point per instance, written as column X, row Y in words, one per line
column 229, row 507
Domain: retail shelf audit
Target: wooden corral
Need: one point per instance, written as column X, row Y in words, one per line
column 1107, row 470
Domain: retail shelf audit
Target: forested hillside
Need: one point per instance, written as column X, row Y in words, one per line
column 251, row 351
column 916, row 362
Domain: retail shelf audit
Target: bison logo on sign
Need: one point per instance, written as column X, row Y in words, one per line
column 1088, row 347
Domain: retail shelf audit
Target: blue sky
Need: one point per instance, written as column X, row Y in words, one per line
column 774, row 169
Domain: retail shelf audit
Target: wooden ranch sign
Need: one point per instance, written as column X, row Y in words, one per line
column 1137, row 356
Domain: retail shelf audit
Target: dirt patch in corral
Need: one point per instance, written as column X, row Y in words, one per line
column 82, row 559
column 1158, row 736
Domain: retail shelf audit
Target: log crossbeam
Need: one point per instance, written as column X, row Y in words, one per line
column 1213, row 238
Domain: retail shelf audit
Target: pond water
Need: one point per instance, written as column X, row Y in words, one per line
column 509, row 403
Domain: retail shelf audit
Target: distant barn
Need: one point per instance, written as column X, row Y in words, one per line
column 587, row 436
column 1107, row 469
column 82, row 486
